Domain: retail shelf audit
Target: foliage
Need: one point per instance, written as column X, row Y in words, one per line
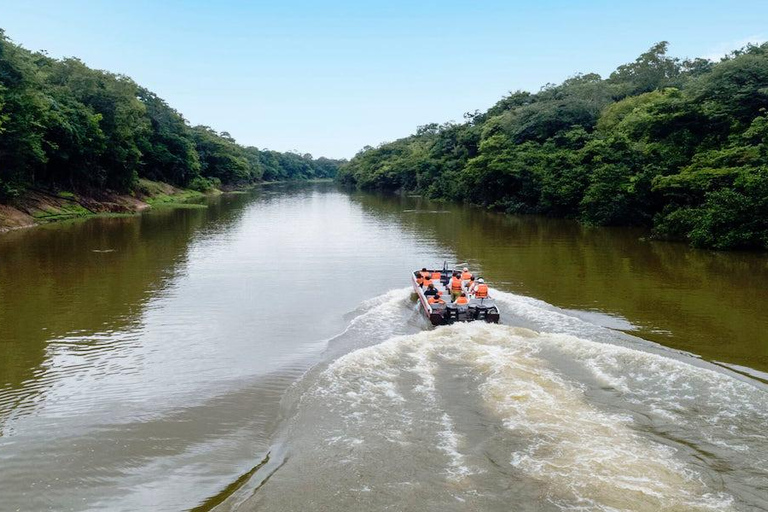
column 679, row 146
column 202, row 184
column 65, row 125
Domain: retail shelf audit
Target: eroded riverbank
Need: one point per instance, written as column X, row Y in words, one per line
column 41, row 206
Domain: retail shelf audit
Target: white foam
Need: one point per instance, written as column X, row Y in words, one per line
column 585, row 457
column 450, row 440
column 379, row 318
column 669, row 386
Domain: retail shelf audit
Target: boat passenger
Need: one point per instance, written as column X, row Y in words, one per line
column 425, row 272
column 462, row 299
column 481, row 290
column 455, row 286
column 431, row 290
column 466, row 274
column 435, row 299
column 419, row 280
column 427, row 280
column 471, row 285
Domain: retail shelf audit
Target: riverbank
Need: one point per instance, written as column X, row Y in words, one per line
column 41, row 206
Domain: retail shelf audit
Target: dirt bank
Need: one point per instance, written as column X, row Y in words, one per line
column 39, row 206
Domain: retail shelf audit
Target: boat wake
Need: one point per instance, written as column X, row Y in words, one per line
column 482, row 417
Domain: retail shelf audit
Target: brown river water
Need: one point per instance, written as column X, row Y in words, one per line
column 262, row 351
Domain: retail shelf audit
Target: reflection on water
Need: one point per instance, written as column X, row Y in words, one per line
column 145, row 358
column 151, row 371
column 77, row 284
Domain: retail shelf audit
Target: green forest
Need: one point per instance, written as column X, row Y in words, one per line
column 680, row 146
column 66, row 126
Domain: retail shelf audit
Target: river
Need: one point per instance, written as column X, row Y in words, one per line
column 262, row 351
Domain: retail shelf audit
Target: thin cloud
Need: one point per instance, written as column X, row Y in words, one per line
column 723, row 49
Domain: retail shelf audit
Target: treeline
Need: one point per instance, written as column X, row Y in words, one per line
column 65, row 125
column 677, row 145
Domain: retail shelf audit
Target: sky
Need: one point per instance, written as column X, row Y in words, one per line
column 330, row 77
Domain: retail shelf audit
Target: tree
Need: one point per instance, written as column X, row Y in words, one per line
column 169, row 152
column 677, row 146
column 651, row 70
column 64, row 125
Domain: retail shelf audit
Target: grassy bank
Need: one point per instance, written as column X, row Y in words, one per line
column 40, row 206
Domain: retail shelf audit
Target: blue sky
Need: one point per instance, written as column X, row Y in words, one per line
column 331, row 77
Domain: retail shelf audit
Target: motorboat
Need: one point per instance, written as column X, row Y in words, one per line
column 449, row 312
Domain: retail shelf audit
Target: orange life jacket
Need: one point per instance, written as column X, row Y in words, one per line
column 436, row 275
column 427, row 281
column 465, row 276
column 455, row 284
column 481, row 291
column 462, row 300
column 435, row 300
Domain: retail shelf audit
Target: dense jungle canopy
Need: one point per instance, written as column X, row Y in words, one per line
column 676, row 145
column 64, row 125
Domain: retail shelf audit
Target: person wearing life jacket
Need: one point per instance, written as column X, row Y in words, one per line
column 466, row 275
column 426, row 280
column 424, row 272
column 419, row 279
column 462, row 299
column 481, row 290
column 435, row 299
column 431, row 290
column 471, row 285
column 456, row 286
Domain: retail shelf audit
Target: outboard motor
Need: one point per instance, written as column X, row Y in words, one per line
column 451, row 313
column 484, row 309
column 437, row 317
column 457, row 313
